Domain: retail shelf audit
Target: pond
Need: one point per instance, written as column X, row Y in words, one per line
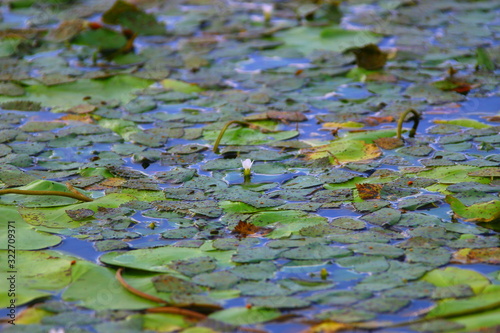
column 369, row 200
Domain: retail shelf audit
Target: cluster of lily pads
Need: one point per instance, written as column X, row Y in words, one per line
column 233, row 167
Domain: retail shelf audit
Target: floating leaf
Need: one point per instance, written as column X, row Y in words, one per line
column 342, row 151
column 129, row 16
column 102, row 39
column 451, row 276
column 472, row 256
column 89, row 279
column 180, row 86
column 369, row 56
column 480, row 212
column 39, row 200
column 278, row 302
column 247, row 136
column 245, row 316
column 309, row 39
column 159, row 259
column 39, row 274
column 376, row 249
column 26, row 237
column 383, row 217
column 58, row 218
column 118, row 87
column 316, row 252
column 463, row 122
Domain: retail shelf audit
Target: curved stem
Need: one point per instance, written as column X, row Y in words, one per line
column 223, row 130
column 73, row 194
column 134, row 291
column 416, row 120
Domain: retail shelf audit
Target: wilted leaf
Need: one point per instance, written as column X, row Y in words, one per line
column 473, row 256
column 369, row 191
column 342, row 151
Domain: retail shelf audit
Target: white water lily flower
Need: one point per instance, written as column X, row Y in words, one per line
column 56, row 330
column 247, row 165
column 267, row 10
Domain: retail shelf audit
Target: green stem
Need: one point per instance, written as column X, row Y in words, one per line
column 223, row 130
column 416, row 120
column 75, row 194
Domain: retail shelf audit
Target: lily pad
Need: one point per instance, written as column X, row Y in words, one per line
column 129, row 16
column 246, row 136
column 316, row 252
column 309, row 39
column 480, row 212
column 39, row 200
column 26, row 237
column 118, row 87
column 278, row 302
column 383, row 217
column 245, row 316
column 342, row 151
column 37, row 275
column 159, row 259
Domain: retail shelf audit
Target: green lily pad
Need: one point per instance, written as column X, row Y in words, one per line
column 255, row 255
column 418, row 289
column 316, row 251
column 419, row 202
column 383, row 304
column 309, row 39
column 129, row 16
column 455, row 291
column 159, row 259
column 56, row 217
column 302, row 182
column 88, row 279
column 480, row 212
column 431, row 257
column 39, row 200
column 171, row 284
column 261, row 271
column 245, row 136
column 383, row 217
column 26, row 237
column 454, row 308
column 452, row 276
column 39, row 274
column 222, row 280
column 365, row 264
column 341, row 151
column 376, row 249
column 180, row 86
column 346, row 315
column 13, row 176
column 118, row 87
column 278, row 302
column 102, row 39
column 262, row 288
column 452, row 174
column 245, row 316
column 176, row 175
column 348, row 223
column 379, row 282
column 340, row 297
